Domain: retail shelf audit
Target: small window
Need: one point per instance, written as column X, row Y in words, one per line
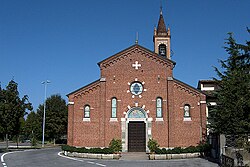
column 162, row 50
column 186, row 110
column 114, row 107
column 159, row 107
column 87, row 111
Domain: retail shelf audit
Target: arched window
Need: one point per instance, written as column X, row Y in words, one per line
column 186, row 109
column 162, row 50
column 86, row 111
column 159, row 107
column 114, row 107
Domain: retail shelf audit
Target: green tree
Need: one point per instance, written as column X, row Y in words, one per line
column 32, row 129
column 232, row 113
column 56, row 117
column 12, row 110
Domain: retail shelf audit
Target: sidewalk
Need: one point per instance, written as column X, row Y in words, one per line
column 128, row 156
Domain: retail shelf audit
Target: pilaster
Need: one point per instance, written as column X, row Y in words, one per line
column 170, row 111
column 102, row 113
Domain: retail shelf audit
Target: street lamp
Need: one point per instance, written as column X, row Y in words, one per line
column 44, row 106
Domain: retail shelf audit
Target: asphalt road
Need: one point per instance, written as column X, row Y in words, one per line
column 49, row 158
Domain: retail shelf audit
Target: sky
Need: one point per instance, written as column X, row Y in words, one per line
column 63, row 40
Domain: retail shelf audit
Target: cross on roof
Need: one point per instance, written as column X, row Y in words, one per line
column 136, row 65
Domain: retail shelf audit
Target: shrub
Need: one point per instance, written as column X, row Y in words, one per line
column 191, row 149
column 178, row 150
column 107, row 151
column 153, row 145
column 85, row 150
column 115, row 145
column 159, row 151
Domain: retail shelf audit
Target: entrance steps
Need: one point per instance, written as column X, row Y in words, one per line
column 134, row 156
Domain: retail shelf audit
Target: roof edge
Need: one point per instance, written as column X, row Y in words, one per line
column 139, row 46
column 193, row 88
column 96, row 81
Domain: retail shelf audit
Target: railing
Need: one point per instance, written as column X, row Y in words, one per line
column 227, row 161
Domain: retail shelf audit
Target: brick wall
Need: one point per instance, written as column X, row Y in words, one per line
column 116, row 73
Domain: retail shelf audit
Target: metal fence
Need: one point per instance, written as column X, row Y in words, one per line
column 226, row 161
column 236, row 150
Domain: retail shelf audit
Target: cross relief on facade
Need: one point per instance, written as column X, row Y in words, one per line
column 136, row 65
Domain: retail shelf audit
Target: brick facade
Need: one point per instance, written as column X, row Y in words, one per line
column 155, row 73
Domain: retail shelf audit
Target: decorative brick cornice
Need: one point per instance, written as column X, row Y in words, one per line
column 135, row 49
column 186, row 88
column 86, row 89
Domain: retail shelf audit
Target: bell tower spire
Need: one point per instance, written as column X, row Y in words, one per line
column 162, row 38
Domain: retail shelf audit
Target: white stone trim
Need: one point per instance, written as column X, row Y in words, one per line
column 86, row 119
column 170, row 79
column 187, row 119
column 149, row 132
column 103, row 79
column 123, row 119
column 203, row 102
column 113, row 120
column 150, row 119
column 159, row 119
column 71, row 103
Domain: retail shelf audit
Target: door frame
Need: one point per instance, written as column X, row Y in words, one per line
column 124, row 127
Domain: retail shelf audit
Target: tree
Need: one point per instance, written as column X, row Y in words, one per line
column 56, row 117
column 12, row 110
column 32, row 129
column 232, row 113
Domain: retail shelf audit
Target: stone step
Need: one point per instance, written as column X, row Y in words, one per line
column 134, row 156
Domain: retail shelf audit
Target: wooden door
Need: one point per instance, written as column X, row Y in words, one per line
column 136, row 136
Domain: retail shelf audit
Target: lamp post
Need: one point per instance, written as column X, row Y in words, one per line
column 44, row 107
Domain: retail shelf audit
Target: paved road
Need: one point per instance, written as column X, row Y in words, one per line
column 50, row 158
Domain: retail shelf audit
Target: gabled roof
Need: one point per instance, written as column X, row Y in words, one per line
column 189, row 86
column 86, row 86
column 133, row 47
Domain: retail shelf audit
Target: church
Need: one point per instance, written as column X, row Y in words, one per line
column 136, row 99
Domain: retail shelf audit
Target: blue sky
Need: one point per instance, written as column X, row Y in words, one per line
column 63, row 40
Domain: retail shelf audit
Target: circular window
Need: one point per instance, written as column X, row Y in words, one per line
column 136, row 88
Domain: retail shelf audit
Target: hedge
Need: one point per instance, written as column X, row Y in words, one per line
column 178, row 150
column 86, row 150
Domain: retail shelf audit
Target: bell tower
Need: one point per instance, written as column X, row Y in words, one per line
column 162, row 38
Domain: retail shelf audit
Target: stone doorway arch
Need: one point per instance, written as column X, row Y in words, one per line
column 135, row 114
